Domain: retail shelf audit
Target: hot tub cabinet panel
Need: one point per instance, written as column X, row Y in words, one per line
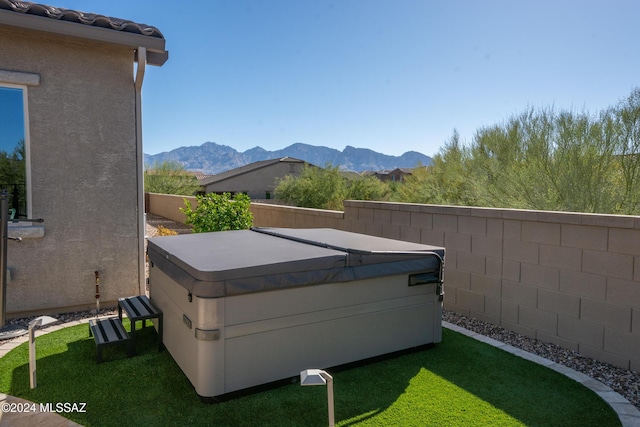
column 252, row 335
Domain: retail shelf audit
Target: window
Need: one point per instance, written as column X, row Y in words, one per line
column 13, row 148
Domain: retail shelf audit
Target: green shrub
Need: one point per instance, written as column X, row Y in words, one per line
column 367, row 188
column 219, row 212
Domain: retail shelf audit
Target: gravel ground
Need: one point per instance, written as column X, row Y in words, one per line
column 64, row 317
column 154, row 221
column 627, row 383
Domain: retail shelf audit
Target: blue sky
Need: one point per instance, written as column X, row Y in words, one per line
column 392, row 76
column 11, row 118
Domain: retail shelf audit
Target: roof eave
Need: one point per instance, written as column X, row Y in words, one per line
column 156, row 52
column 264, row 164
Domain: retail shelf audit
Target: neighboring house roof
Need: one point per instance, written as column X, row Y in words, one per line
column 408, row 171
column 387, row 172
column 40, row 17
column 246, row 169
column 201, row 175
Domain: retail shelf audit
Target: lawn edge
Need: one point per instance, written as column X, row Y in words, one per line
column 628, row 414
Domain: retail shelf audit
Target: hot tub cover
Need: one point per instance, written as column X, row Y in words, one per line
column 213, row 265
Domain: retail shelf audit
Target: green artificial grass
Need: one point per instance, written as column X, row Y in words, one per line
column 459, row 382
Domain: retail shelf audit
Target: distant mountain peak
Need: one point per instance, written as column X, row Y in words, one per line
column 212, row 158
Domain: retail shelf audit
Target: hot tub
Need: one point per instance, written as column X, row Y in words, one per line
column 249, row 307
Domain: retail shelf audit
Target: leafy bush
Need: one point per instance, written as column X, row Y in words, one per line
column 219, row 212
column 367, row 188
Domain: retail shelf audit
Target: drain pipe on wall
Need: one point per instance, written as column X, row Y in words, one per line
column 139, row 77
column 97, row 274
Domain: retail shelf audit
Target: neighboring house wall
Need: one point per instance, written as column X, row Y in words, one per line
column 566, row 278
column 396, row 175
column 257, row 183
column 83, row 172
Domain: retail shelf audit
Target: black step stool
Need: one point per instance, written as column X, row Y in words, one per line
column 140, row 308
column 108, row 331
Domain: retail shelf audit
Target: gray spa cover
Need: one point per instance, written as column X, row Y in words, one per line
column 363, row 249
column 214, row 265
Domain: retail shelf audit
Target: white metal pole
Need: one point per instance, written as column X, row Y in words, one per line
column 39, row 321
column 138, row 79
column 329, row 379
column 32, row 352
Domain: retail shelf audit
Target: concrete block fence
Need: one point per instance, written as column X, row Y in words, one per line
column 566, row 278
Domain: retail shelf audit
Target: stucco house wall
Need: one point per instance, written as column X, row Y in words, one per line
column 83, row 164
column 256, row 183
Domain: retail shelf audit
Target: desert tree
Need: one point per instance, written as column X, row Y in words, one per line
column 320, row 188
column 170, row 177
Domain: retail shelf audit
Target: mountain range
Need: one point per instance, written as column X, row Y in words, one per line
column 212, row 158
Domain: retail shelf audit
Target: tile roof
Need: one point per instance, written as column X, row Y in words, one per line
column 89, row 19
column 201, row 175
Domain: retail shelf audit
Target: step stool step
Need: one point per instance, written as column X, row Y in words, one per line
column 140, row 307
column 108, row 331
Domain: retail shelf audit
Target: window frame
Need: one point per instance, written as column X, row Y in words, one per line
column 27, row 140
column 23, row 80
